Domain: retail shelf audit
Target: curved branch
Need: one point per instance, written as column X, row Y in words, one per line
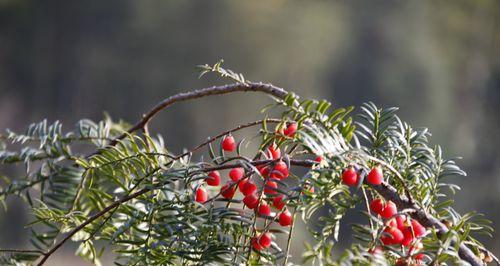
column 215, row 90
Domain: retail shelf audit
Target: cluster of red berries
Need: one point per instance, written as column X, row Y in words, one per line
column 252, row 197
column 351, row 177
column 400, row 229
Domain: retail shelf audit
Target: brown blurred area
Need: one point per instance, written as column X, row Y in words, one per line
column 437, row 60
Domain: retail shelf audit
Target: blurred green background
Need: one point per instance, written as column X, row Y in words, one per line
column 437, row 60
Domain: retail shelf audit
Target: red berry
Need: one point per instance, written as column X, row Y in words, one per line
column 386, row 240
column 263, row 170
column 392, row 236
column 285, row 218
column 290, row 130
column 400, row 222
column 392, row 223
column 273, row 152
column 389, row 210
column 255, row 244
column 213, row 178
column 377, row 206
column 349, row 176
column 419, row 256
column 271, row 187
column 201, row 195
column 408, row 236
column 249, row 188
column 227, row 191
column 264, row 209
column 278, row 202
column 418, row 229
column 228, row 143
column 236, row 173
column 375, row 176
column 265, row 240
column 318, row 159
column 280, row 170
column 251, row 201
column 241, row 184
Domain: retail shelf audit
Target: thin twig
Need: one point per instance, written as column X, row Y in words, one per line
column 289, row 240
column 212, row 139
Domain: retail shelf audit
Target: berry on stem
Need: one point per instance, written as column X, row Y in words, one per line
column 251, row 201
column 278, row 202
column 318, row 159
column 264, row 209
column 255, row 244
column 377, row 206
column 290, row 130
column 228, row 143
column 419, row 256
column 418, row 229
column 285, row 218
column 349, row 176
column 263, row 170
column 280, row 170
column 265, row 240
column 389, row 210
column 375, row 177
column 271, row 187
column 201, row 195
column 213, row 178
column 249, row 188
column 241, row 184
column 227, row 191
column 273, row 152
column 400, row 222
column 236, row 173
column 408, row 236
column 392, row 236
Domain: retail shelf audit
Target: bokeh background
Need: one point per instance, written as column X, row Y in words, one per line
column 438, row 60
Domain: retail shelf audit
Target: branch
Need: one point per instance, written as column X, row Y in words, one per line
column 215, row 90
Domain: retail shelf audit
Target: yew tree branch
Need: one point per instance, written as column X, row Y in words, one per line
column 385, row 189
